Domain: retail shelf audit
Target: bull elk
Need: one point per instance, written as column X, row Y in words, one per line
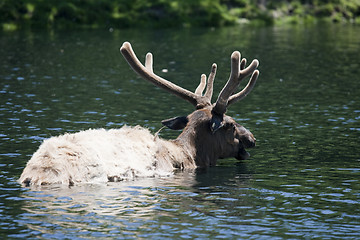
column 129, row 152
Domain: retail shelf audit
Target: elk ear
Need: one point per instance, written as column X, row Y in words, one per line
column 176, row 123
column 216, row 122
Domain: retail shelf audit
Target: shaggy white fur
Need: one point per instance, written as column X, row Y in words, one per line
column 95, row 156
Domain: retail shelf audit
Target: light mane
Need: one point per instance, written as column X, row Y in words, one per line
column 101, row 155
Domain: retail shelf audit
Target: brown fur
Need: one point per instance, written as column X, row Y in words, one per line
column 205, row 147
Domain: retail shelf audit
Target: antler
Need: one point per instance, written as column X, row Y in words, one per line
column 238, row 73
column 226, row 96
column 147, row 73
column 209, row 88
column 199, row 90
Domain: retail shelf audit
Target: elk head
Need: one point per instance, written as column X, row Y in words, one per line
column 209, row 134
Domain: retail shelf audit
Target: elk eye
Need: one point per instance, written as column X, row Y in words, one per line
column 229, row 126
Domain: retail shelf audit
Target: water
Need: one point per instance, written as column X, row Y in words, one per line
column 301, row 182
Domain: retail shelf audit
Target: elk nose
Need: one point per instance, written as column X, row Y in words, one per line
column 249, row 141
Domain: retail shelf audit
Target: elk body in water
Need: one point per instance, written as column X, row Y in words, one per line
column 117, row 154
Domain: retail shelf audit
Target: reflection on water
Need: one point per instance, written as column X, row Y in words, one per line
column 189, row 205
column 301, row 182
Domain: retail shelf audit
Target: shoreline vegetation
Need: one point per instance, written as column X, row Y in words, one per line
column 118, row 14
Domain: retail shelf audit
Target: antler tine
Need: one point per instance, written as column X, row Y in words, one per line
column 243, row 63
column 238, row 73
column 243, row 74
column 232, row 83
column 149, row 62
column 146, row 72
column 210, row 84
column 243, row 93
column 250, row 69
column 199, row 90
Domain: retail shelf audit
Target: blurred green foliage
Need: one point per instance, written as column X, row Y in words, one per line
column 49, row 14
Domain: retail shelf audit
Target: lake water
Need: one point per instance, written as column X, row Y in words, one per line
column 302, row 180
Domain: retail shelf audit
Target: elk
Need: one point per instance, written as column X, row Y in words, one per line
column 208, row 134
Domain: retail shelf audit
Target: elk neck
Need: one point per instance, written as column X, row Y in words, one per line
column 197, row 141
column 174, row 154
